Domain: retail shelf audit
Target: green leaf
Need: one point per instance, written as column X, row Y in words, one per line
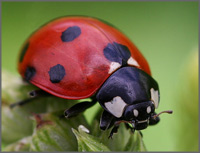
column 13, row 88
column 21, row 145
column 16, row 124
column 123, row 140
column 53, row 133
column 87, row 142
column 49, row 132
column 135, row 143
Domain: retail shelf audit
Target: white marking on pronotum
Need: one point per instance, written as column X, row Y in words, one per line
column 114, row 66
column 133, row 62
column 116, row 106
column 148, row 109
column 135, row 112
column 83, row 128
column 154, row 96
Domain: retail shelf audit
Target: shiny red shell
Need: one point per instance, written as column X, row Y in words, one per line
column 83, row 59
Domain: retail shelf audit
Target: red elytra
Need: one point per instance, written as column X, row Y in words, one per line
column 86, row 67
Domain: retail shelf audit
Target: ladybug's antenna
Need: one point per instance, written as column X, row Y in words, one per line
column 167, row 111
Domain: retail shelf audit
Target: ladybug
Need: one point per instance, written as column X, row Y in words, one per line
column 77, row 57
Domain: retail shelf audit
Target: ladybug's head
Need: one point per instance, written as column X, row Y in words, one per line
column 139, row 114
column 131, row 95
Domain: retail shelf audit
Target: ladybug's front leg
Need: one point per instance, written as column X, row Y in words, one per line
column 114, row 130
column 106, row 120
column 130, row 127
column 78, row 108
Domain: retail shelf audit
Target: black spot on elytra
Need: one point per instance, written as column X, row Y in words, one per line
column 56, row 73
column 23, row 52
column 29, row 73
column 117, row 53
column 70, row 34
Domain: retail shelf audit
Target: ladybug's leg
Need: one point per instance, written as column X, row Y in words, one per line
column 129, row 127
column 33, row 95
column 38, row 93
column 78, row 108
column 141, row 133
column 132, row 129
column 153, row 120
column 106, row 120
column 114, row 130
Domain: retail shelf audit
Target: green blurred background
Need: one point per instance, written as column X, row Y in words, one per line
column 165, row 32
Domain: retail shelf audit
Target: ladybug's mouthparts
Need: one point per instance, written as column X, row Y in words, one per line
column 167, row 111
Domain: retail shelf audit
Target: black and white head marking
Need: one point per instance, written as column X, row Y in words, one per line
column 116, row 106
column 155, row 97
column 131, row 95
